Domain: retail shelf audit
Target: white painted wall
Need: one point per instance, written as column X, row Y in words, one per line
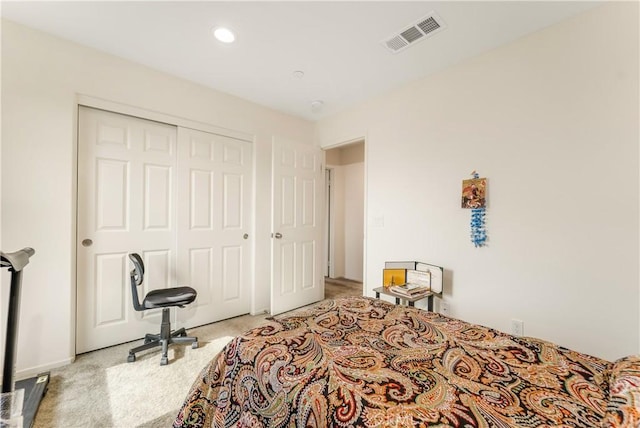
column 41, row 79
column 337, row 222
column 353, row 220
column 347, row 233
column 552, row 121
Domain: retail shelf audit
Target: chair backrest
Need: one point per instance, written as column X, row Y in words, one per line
column 137, row 276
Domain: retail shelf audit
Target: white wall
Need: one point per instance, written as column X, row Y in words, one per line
column 337, row 222
column 41, row 79
column 347, row 233
column 353, row 220
column 552, row 121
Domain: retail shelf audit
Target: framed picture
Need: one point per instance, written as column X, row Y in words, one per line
column 474, row 193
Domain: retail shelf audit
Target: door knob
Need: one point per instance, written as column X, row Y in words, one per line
column 87, row 242
column 245, row 236
column 278, row 235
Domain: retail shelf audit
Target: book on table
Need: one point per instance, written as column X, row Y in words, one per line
column 417, row 284
column 410, row 290
column 412, row 268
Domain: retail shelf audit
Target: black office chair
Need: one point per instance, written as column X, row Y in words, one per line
column 163, row 298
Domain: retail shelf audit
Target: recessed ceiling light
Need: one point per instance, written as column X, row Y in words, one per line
column 224, row 35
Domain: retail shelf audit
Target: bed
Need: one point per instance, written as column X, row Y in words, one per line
column 365, row 362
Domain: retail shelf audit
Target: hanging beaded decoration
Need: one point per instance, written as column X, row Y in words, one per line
column 473, row 197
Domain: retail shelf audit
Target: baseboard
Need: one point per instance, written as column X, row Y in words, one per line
column 34, row 371
column 343, row 280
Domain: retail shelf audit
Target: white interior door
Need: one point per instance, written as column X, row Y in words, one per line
column 126, row 170
column 214, row 230
column 298, row 226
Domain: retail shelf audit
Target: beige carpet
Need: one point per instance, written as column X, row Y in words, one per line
column 100, row 389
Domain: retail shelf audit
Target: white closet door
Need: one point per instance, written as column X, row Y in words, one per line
column 214, row 215
column 126, row 188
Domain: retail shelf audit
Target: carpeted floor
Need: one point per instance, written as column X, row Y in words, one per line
column 100, row 389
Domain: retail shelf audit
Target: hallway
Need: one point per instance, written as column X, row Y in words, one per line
column 340, row 287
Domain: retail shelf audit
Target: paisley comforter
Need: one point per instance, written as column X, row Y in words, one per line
column 360, row 362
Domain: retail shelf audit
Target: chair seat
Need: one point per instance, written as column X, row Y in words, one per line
column 163, row 298
column 176, row 296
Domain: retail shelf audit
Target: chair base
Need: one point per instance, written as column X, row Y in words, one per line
column 164, row 339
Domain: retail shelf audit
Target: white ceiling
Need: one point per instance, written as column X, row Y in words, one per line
column 336, row 44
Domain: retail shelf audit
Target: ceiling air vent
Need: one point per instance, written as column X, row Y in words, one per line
column 420, row 30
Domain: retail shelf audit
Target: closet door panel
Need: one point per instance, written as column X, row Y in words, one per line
column 214, row 173
column 180, row 198
column 126, row 169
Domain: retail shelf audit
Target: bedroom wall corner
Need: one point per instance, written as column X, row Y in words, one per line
column 41, row 78
column 557, row 134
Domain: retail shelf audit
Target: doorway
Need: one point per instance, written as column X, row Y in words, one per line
column 345, row 212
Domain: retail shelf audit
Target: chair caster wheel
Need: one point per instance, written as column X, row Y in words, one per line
column 131, row 358
column 164, row 361
column 194, row 345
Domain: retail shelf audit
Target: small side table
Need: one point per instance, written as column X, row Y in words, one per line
column 410, row 300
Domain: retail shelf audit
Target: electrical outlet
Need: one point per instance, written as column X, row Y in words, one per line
column 517, row 327
column 444, row 308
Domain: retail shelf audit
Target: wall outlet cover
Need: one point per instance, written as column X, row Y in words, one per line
column 517, row 327
column 445, row 308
